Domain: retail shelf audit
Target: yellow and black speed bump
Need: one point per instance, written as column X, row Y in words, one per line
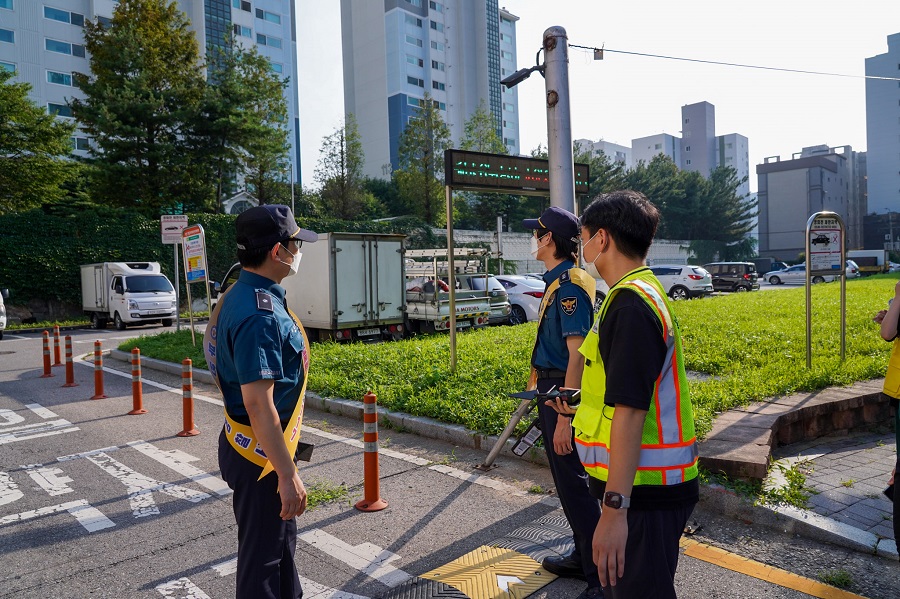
column 509, row 569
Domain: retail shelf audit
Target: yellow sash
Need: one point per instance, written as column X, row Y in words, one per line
column 578, row 276
column 241, row 436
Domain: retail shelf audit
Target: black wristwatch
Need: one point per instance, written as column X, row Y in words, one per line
column 616, row 501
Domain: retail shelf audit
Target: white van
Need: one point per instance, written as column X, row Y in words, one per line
column 4, row 294
column 126, row 293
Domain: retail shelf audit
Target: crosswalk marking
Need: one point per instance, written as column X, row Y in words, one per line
column 369, row 559
column 88, row 516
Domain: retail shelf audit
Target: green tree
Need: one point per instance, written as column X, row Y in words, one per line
column 144, row 87
column 339, row 174
column 605, row 175
column 33, row 145
column 420, row 177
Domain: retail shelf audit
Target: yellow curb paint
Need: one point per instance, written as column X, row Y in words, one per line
column 749, row 567
column 493, row 573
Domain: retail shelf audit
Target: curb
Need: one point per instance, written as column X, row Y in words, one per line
column 785, row 519
column 399, row 421
column 794, row 521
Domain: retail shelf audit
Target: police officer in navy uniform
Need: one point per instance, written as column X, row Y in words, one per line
column 567, row 311
column 260, row 359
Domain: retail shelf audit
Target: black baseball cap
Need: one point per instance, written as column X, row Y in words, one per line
column 555, row 219
column 264, row 226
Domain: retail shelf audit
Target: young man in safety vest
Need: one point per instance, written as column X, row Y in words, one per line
column 258, row 353
column 634, row 429
column 564, row 320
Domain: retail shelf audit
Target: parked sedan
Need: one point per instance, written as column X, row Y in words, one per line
column 683, row 281
column 525, row 295
column 795, row 274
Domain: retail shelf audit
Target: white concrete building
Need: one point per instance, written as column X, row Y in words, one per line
column 396, row 50
column 643, row 149
column 43, row 42
column 883, row 130
column 615, row 152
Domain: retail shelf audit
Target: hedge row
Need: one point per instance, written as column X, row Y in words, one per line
column 40, row 253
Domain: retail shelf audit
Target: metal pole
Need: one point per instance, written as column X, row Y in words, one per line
column 520, row 413
column 177, row 293
column 843, row 286
column 452, row 279
column 809, row 294
column 559, row 120
column 500, row 245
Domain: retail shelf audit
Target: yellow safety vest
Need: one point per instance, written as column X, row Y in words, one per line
column 240, row 436
column 576, row 275
column 892, row 378
column 669, row 449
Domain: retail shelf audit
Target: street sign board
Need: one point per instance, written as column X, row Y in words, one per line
column 171, row 226
column 825, row 245
column 477, row 171
column 194, row 246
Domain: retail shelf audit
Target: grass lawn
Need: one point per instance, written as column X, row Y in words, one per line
column 754, row 345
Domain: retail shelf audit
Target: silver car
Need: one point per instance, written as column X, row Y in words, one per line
column 683, row 281
column 795, row 275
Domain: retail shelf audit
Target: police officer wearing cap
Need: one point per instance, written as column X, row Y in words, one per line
column 258, row 353
column 564, row 321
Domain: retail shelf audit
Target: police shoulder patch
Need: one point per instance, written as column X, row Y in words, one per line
column 568, row 305
column 264, row 301
column 565, row 277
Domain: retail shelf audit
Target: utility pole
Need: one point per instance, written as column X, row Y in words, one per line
column 559, row 120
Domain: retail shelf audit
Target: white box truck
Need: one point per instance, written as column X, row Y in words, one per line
column 870, row 262
column 350, row 287
column 126, row 293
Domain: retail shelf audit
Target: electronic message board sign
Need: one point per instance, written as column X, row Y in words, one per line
column 477, row 171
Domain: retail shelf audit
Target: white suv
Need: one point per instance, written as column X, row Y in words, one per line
column 683, row 281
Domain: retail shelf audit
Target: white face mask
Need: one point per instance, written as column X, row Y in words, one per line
column 534, row 245
column 294, row 265
column 589, row 266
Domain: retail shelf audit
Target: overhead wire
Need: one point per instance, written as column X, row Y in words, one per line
column 733, row 64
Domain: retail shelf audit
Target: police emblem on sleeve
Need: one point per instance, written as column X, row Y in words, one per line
column 568, row 305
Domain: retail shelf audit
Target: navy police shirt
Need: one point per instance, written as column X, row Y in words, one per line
column 568, row 314
column 257, row 339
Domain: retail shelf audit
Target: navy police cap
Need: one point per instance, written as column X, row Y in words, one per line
column 555, row 219
column 264, row 226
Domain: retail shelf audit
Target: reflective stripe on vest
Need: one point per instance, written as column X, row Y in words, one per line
column 669, row 449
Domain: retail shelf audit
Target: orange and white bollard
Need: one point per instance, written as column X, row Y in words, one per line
column 98, row 371
column 137, row 391
column 56, row 360
column 187, row 401
column 47, row 373
column 70, row 368
column 372, row 501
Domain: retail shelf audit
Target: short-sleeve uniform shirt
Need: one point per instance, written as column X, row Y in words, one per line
column 568, row 314
column 257, row 339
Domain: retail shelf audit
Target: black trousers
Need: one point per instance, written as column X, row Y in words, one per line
column 581, row 509
column 651, row 554
column 266, row 543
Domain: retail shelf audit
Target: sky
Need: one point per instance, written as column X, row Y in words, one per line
column 624, row 97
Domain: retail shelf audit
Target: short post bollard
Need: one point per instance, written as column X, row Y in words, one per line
column 56, row 360
column 98, row 371
column 70, row 368
column 372, row 501
column 137, row 391
column 47, row 373
column 187, row 401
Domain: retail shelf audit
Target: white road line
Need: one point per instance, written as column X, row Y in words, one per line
column 369, row 559
column 41, row 411
column 84, row 454
column 48, row 479
column 33, row 431
column 89, row 517
column 180, row 462
column 178, row 391
column 9, row 491
column 311, row 589
column 141, row 487
column 181, row 588
column 10, row 417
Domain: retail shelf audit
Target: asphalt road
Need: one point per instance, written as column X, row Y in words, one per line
column 98, row 503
